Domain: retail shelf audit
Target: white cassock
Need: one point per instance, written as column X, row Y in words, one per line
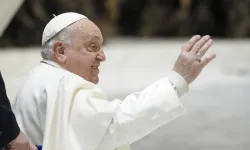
column 62, row 111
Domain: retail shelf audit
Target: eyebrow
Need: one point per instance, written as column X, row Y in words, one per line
column 94, row 38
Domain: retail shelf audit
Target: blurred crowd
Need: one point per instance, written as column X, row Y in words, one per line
column 145, row 18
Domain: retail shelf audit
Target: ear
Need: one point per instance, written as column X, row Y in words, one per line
column 59, row 52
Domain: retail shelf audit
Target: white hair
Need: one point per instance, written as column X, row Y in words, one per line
column 64, row 35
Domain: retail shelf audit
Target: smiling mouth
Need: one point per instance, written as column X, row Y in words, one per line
column 95, row 67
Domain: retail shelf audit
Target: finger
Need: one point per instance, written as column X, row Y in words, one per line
column 198, row 45
column 191, row 43
column 205, row 47
column 207, row 59
column 32, row 147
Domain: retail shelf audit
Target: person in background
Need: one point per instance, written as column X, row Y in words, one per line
column 10, row 135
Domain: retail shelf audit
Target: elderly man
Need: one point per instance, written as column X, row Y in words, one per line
column 61, row 107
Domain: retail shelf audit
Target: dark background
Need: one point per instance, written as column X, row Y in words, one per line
column 140, row 18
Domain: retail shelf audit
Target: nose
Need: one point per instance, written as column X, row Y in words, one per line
column 101, row 56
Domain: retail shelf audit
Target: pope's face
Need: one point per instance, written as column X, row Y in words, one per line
column 85, row 54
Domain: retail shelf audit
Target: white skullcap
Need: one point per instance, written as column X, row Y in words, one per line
column 58, row 23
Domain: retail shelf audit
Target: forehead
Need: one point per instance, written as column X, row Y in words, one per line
column 87, row 31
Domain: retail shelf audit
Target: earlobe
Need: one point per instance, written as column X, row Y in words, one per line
column 59, row 52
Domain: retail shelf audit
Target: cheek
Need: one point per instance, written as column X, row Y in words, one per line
column 85, row 61
column 77, row 62
column 80, row 63
column 74, row 61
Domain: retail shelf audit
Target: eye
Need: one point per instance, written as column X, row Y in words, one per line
column 93, row 47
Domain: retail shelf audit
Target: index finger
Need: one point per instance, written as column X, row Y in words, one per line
column 191, row 43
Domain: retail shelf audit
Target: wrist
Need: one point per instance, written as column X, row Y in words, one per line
column 179, row 83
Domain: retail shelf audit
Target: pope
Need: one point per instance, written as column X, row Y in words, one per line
column 61, row 107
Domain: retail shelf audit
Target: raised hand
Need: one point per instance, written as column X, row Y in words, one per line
column 190, row 63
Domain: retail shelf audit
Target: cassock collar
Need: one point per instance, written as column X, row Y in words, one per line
column 52, row 63
column 56, row 65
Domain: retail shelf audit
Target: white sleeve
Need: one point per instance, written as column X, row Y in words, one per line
column 179, row 83
column 133, row 118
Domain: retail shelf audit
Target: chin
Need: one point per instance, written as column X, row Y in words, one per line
column 95, row 80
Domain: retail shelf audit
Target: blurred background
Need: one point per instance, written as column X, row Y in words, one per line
column 139, row 18
column 142, row 41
